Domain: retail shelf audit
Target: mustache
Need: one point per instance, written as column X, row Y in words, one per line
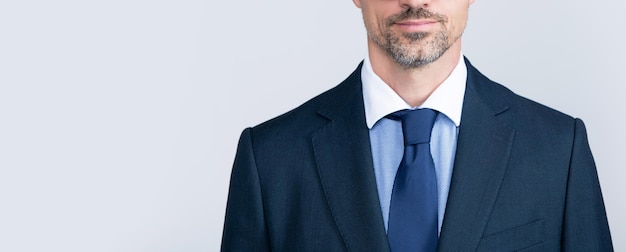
column 413, row 13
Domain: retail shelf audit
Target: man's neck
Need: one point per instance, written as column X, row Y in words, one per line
column 414, row 85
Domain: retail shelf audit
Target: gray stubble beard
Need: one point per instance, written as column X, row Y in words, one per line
column 410, row 55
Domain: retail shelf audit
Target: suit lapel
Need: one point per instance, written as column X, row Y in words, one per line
column 482, row 155
column 345, row 167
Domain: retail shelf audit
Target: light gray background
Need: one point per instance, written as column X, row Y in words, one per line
column 119, row 119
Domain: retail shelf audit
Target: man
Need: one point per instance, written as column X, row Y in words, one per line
column 498, row 173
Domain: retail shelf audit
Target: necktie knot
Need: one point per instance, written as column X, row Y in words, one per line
column 417, row 124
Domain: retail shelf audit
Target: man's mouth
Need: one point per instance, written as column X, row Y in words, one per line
column 418, row 25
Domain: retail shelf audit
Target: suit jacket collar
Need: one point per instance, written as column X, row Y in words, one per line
column 345, row 167
column 482, row 155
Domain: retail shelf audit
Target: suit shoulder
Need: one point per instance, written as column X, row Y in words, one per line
column 305, row 118
column 523, row 107
column 530, row 107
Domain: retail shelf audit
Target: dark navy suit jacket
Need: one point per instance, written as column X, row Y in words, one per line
column 524, row 179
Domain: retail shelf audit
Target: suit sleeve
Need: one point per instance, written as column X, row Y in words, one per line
column 244, row 225
column 585, row 226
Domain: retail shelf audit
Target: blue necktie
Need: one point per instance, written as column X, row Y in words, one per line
column 413, row 212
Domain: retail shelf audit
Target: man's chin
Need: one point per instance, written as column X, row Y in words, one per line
column 411, row 57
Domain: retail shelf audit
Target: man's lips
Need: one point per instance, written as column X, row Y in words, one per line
column 416, row 22
column 422, row 25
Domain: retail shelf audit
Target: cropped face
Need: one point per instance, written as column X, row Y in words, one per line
column 414, row 32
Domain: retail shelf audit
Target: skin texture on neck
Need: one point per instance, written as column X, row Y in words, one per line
column 414, row 85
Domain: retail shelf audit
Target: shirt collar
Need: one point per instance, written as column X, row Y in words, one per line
column 380, row 100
